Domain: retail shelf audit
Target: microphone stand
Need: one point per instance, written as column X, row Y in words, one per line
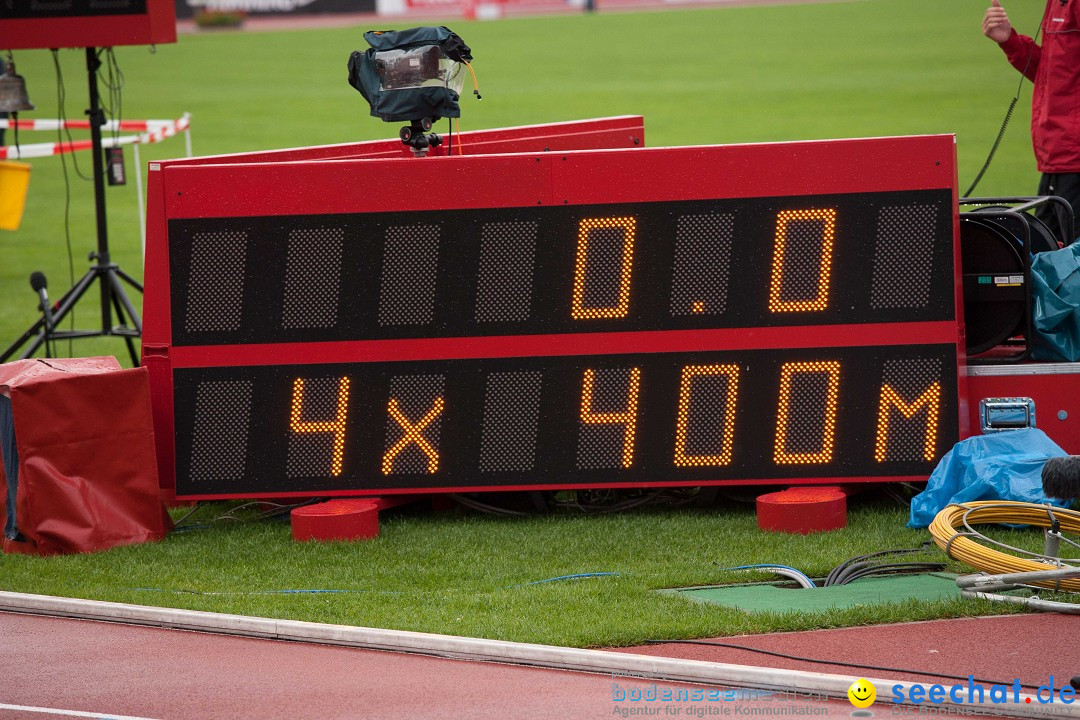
column 38, row 283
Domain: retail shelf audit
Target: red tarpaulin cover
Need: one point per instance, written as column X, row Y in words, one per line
column 87, row 467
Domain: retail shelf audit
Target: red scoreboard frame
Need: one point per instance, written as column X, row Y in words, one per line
column 46, row 24
column 752, row 314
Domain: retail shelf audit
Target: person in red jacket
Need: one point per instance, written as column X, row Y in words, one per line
column 1054, row 68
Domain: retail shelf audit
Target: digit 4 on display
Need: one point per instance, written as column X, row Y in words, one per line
column 782, row 313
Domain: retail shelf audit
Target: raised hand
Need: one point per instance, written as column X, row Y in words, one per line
column 996, row 25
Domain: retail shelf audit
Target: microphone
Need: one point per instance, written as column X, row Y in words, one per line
column 39, row 284
column 1061, row 477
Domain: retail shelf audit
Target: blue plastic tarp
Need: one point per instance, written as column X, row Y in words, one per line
column 998, row 466
column 1055, row 296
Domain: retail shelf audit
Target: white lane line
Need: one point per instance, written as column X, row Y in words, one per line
column 69, row 713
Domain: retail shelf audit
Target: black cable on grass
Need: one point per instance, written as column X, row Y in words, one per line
column 188, row 514
column 669, row 497
column 474, row 504
column 844, row 572
column 629, row 504
column 837, row 572
column 839, row 663
column 276, row 510
column 893, row 569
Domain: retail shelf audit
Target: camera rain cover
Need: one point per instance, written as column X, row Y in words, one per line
column 411, row 74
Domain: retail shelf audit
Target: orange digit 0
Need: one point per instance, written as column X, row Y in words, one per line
column 682, row 421
column 621, row 308
column 778, row 303
column 781, row 454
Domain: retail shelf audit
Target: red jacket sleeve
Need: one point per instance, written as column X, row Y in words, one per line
column 1023, row 54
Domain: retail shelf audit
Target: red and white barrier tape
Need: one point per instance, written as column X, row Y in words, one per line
column 156, row 131
column 110, row 126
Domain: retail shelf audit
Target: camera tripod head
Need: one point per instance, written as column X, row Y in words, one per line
column 416, row 136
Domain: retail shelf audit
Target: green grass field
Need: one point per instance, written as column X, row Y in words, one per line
column 464, row 574
column 734, row 75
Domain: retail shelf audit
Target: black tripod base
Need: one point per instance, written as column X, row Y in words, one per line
column 108, row 274
column 114, row 298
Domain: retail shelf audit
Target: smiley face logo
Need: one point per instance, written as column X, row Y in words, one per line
column 862, row 693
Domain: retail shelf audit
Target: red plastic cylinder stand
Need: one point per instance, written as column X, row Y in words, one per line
column 344, row 519
column 802, row 510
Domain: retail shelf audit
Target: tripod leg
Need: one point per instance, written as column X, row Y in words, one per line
column 46, row 336
column 35, row 329
column 129, row 280
column 113, row 295
column 72, row 296
column 118, row 295
column 121, row 320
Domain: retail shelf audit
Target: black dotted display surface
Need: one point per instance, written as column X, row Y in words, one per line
column 810, row 260
column 687, row 417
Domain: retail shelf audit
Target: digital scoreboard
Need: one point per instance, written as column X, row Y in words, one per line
column 721, row 315
column 42, row 24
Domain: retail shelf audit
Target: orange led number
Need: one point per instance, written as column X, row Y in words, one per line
column 777, row 303
column 930, row 399
column 336, row 426
column 627, row 417
column 781, row 455
column 682, row 422
column 414, row 433
column 622, row 306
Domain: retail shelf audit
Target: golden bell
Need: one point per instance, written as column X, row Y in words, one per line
column 13, row 97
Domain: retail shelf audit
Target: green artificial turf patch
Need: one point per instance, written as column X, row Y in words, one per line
column 784, row 598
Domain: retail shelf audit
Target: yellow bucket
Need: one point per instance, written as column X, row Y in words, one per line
column 14, row 181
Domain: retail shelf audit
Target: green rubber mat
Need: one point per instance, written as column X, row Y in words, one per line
column 780, row 597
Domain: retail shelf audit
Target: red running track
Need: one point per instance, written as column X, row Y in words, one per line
column 55, row 665
column 107, row 670
column 1032, row 648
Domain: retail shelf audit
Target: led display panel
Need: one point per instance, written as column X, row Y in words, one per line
column 804, row 329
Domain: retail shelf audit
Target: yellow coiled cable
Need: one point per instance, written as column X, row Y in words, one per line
column 959, row 545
